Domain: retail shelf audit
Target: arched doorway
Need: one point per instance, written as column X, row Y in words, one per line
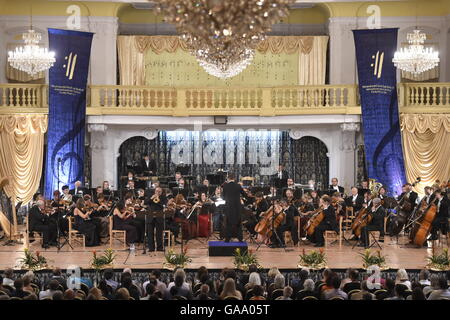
column 310, row 161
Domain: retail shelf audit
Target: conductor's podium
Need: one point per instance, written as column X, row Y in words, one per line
column 225, row 249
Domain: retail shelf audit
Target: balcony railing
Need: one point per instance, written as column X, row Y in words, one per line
column 180, row 101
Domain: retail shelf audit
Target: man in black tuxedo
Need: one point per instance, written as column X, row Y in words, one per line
column 410, row 194
column 232, row 192
column 280, row 179
column 40, row 222
column 288, row 225
column 148, row 166
column 335, row 186
column 328, row 223
column 155, row 225
column 354, row 200
column 78, row 191
column 440, row 222
column 378, row 213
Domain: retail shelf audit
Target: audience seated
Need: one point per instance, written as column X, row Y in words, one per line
column 230, row 286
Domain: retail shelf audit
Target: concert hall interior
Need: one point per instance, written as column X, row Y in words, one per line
column 256, row 139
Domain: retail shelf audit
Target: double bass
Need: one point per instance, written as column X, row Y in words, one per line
column 362, row 219
column 422, row 226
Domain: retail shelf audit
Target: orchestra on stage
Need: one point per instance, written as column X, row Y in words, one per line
column 224, row 207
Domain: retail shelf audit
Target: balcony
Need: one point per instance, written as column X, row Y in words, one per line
column 275, row 101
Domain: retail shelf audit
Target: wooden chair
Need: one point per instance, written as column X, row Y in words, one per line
column 332, row 235
column 120, row 235
column 348, row 220
column 337, row 298
column 276, row 293
column 33, row 233
column 352, row 292
column 75, row 235
column 310, row 298
column 167, row 235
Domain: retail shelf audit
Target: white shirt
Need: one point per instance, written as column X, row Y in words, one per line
column 354, row 198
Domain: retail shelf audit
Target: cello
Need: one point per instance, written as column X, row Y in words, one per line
column 271, row 219
column 362, row 219
column 422, row 228
column 316, row 218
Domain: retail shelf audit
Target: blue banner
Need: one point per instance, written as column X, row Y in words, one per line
column 378, row 90
column 67, row 108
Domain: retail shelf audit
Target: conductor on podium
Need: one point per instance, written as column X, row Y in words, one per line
column 232, row 195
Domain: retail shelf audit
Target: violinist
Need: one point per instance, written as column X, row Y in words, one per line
column 377, row 212
column 290, row 183
column 39, row 221
column 60, row 211
column 130, row 189
column 305, row 210
column 67, row 198
column 261, row 204
column 440, row 221
column 155, row 222
column 367, row 203
column 98, row 217
column 287, row 225
column 328, row 223
column 121, row 221
column 315, row 198
column 386, row 201
column 85, row 225
column 204, row 208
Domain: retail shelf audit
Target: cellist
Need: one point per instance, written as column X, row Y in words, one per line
column 287, row 225
column 378, row 213
column 328, row 223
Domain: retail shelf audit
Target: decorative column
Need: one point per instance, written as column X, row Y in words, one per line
column 99, row 154
column 348, row 154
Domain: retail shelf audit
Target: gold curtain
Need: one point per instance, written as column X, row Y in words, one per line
column 21, row 154
column 312, row 57
column 426, row 144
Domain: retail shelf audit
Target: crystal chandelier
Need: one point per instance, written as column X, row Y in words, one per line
column 416, row 58
column 223, row 34
column 31, row 58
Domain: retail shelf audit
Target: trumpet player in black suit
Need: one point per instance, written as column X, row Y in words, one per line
column 155, row 221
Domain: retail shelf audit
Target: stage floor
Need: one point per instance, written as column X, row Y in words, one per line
column 398, row 256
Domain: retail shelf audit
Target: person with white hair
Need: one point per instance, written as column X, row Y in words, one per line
column 39, row 221
column 179, row 273
column 378, row 213
column 402, row 278
column 253, row 280
column 308, row 290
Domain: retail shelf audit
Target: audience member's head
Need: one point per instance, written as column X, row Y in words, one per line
column 69, row 294
column 53, row 285
column 254, row 279
column 308, row 285
column 400, row 290
column 279, row 281
column 31, row 296
column 122, row 294
column 58, row 295
column 18, row 284
column 258, row 291
column 417, row 294
column 287, row 292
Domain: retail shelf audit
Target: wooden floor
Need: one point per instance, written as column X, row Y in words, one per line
column 398, row 256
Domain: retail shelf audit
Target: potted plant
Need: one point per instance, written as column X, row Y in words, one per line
column 106, row 260
column 243, row 259
column 439, row 262
column 314, row 260
column 176, row 260
column 33, row 262
column 371, row 259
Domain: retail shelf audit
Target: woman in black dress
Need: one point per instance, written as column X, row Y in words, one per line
column 85, row 225
column 122, row 219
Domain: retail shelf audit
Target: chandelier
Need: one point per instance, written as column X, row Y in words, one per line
column 223, row 34
column 416, row 58
column 31, row 58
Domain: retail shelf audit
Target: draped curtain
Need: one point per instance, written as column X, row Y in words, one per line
column 426, row 141
column 311, row 50
column 21, row 154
